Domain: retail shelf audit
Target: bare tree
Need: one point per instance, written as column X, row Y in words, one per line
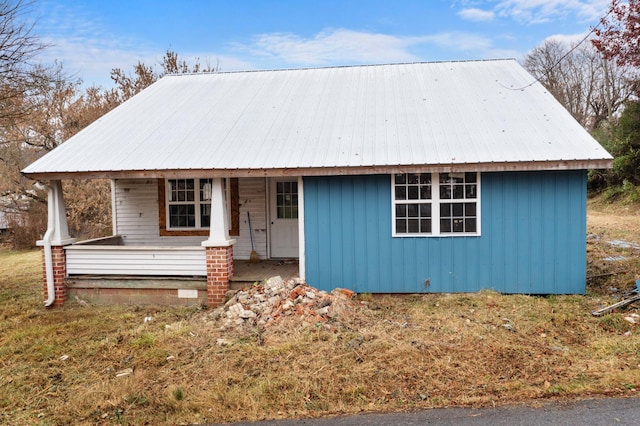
column 589, row 86
column 128, row 85
column 18, row 48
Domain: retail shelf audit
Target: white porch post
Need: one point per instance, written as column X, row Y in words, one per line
column 53, row 242
column 60, row 235
column 219, row 247
column 219, row 225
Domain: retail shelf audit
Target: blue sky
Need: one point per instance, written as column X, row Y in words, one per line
column 90, row 37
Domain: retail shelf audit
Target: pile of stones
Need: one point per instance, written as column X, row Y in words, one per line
column 274, row 300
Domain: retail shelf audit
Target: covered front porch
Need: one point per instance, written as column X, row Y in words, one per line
column 139, row 265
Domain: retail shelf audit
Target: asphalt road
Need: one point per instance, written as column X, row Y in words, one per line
column 610, row 411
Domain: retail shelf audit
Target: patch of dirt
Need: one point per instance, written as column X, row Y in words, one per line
column 613, row 247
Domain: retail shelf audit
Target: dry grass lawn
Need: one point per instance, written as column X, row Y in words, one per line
column 60, row 366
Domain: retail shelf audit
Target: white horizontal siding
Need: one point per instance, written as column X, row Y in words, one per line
column 136, row 211
column 253, row 199
column 109, row 260
column 137, row 215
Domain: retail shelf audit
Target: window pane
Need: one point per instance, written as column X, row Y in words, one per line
column 470, row 225
column 425, row 210
column 401, row 178
column 280, row 187
column 470, row 177
column 458, row 225
column 280, row 200
column 205, row 215
column 413, row 178
column 425, row 178
column 401, row 226
column 425, row 225
column 181, row 194
column 458, row 210
column 445, row 210
column 414, row 226
column 469, row 209
column 412, row 210
column 401, row 193
column 445, row 192
column 205, row 189
column 470, row 191
column 413, row 192
column 458, row 192
column 425, row 192
column 401, row 210
column 445, row 225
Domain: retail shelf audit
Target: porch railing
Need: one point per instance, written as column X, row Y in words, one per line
column 104, row 256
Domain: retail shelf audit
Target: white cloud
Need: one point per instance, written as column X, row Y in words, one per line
column 542, row 11
column 568, row 39
column 93, row 59
column 343, row 46
column 477, row 15
column 331, row 46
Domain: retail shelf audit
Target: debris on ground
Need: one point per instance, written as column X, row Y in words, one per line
column 629, row 298
column 624, row 244
column 274, row 300
column 125, row 372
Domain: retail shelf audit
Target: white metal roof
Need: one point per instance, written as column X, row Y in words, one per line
column 484, row 115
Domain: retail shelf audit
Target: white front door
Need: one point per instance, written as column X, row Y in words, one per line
column 284, row 217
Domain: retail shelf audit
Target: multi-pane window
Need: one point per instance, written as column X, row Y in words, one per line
column 287, row 200
column 412, row 194
column 189, row 203
column 435, row 204
column 458, row 195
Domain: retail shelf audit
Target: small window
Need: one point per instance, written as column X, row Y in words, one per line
column 287, row 200
column 435, row 204
column 189, row 203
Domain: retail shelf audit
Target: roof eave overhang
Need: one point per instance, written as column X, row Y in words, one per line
column 328, row 171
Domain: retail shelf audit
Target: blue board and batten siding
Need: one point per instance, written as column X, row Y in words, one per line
column 533, row 238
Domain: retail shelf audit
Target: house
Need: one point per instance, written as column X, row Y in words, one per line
column 403, row 178
column 11, row 212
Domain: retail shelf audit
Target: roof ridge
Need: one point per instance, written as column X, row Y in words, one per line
column 341, row 67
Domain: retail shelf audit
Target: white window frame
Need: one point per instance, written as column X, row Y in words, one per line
column 197, row 203
column 436, row 202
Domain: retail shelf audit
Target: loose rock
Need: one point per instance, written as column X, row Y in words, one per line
column 273, row 300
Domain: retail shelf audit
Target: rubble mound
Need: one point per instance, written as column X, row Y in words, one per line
column 274, row 301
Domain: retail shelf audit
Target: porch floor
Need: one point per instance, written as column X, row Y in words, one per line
column 248, row 273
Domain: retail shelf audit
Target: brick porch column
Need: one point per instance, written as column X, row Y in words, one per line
column 219, row 247
column 219, row 271
column 59, row 261
column 53, row 242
